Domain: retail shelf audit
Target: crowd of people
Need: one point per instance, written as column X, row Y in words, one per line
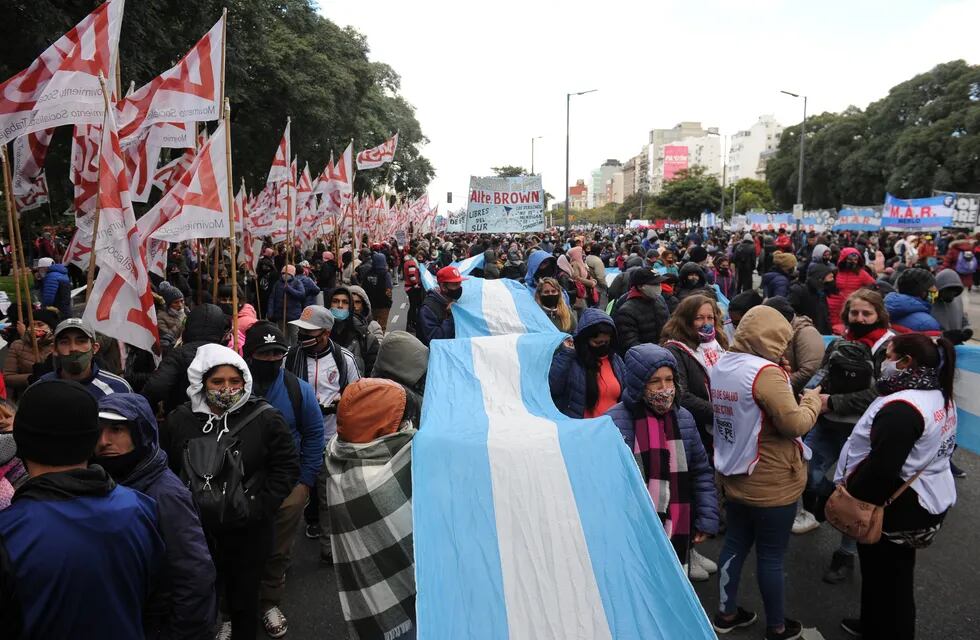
column 178, row 482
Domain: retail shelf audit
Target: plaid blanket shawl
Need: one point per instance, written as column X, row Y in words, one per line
column 370, row 495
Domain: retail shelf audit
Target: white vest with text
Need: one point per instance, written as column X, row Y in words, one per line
column 931, row 452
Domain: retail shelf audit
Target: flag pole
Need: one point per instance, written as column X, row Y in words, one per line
column 98, row 197
column 14, row 232
column 231, row 227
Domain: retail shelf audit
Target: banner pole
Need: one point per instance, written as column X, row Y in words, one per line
column 231, row 228
column 15, row 250
column 98, row 198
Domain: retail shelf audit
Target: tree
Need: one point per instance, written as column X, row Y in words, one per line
column 509, row 171
column 283, row 59
column 749, row 194
column 639, row 205
column 689, row 194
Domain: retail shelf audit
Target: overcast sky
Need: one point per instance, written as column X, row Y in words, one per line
column 485, row 77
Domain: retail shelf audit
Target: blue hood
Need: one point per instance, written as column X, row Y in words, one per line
column 593, row 318
column 901, row 305
column 641, row 361
column 533, row 264
column 379, row 262
column 58, row 268
column 136, row 409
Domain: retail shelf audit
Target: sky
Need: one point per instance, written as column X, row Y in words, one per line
column 485, row 78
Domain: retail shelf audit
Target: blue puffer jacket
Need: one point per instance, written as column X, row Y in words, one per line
column 911, row 315
column 57, row 276
column 534, row 262
column 295, row 295
column 183, row 604
column 567, row 376
column 775, row 283
column 641, row 361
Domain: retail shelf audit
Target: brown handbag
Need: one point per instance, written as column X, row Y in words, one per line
column 859, row 519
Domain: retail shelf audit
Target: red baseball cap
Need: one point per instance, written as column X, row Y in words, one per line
column 449, row 274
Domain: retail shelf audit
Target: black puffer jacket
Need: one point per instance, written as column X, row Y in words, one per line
column 808, row 299
column 639, row 320
column 685, row 289
column 692, row 390
column 168, row 384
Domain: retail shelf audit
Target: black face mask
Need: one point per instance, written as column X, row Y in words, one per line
column 948, row 296
column 454, row 294
column 601, row 351
column 830, row 287
column 551, row 302
column 859, row 330
column 119, row 467
column 264, row 373
column 308, row 342
column 226, row 308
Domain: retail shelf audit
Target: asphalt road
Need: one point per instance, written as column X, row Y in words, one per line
column 947, row 579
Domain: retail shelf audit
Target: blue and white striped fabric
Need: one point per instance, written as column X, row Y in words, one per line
column 611, row 273
column 529, row 524
column 464, row 266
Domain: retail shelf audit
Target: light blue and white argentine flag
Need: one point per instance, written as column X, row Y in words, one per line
column 464, row 266
column 966, row 393
column 529, row 524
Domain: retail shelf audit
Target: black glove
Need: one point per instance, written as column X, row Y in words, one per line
column 41, row 368
column 967, row 333
column 955, row 336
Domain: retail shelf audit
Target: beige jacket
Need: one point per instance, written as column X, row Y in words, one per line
column 804, row 353
column 780, row 475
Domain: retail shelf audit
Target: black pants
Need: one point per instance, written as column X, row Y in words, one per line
column 744, row 280
column 239, row 558
column 415, row 296
column 887, row 591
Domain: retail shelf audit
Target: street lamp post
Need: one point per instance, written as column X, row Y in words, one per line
column 799, row 173
column 532, row 152
column 568, row 196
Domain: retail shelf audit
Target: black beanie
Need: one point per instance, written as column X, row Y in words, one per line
column 782, row 305
column 916, row 282
column 642, row 276
column 57, row 423
column 698, row 254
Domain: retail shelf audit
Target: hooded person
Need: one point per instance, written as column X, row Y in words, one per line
column 851, row 276
column 910, row 307
column 80, row 553
column 18, row 366
column 809, row 298
column 761, row 463
column 404, row 359
column 587, row 378
column 350, row 330
column 948, row 308
column 744, row 258
column 692, row 281
column 490, row 269
column 777, row 280
column 326, row 277
column 362, row 307
column 514, row 268
column 222, row 420
column 377, row 288
column 586, row 293
column 641, row 317
column 820, row 255
column 206, row 324
column 369, row 488
column 182, row 604
column 656, row 429
column 170, row 319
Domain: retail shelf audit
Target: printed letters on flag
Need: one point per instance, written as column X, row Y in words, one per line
column 62, row 85
column 371, row 158
column 30, row 185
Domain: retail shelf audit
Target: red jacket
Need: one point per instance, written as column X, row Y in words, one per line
column 847, row 283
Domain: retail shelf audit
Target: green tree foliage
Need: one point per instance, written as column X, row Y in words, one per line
column 509, row 171
column 924, row 135
column 749, row 194
column 689, row 194
column 283, row 59
column 639, row 206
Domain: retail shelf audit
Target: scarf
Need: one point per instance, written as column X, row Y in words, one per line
column 919, row 378
column 369, row 491
column 708, row 354
column 659, row 451
column 12, row 475
column 869, row 338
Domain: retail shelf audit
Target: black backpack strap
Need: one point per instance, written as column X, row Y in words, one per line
column 263, row 407
column 295, row 395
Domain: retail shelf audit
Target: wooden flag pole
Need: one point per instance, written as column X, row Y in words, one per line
column 98, row 197
column 15, row 250
column 214, row 280
column 231, row 228
column 201, row 257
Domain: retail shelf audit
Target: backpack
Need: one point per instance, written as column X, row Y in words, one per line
column 850, row 367
column 213, row 472
column 966, row 263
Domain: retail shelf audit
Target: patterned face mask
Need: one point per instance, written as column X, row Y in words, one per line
column 660, row 401
column 224, row 399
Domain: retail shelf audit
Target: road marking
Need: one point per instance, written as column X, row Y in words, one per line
column 394, row 319
column 812, row 634
column 402, row 306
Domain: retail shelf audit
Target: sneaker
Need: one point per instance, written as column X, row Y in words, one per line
column 804, row 522
column 841, row 568
column 696, row 572
column 741, row 620
column 274, row 623
column 705, row 563
column 957, row 472
column 224, row 633
column 792, row 629
column 313, row 531
column 852, row 626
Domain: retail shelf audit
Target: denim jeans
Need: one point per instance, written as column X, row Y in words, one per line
column 767, row 528
column 826, row 444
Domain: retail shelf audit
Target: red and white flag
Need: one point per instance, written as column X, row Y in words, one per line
column 167, row 176
column 121, row 301
column 142, row 152
column 62, row 85
column 190, row 91
column 279, row 171
column 371, row 158
column 30, row 185
column 84, row 172
column 203, row 196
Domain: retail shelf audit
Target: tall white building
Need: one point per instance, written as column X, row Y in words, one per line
column 751, row 148
column 700, row 151
column 654, row 151
column 601, row 176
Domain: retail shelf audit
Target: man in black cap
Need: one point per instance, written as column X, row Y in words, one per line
column 91, row 579
column 265, row 353
column 641, row 318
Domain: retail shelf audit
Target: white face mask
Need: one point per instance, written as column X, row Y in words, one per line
column 889, row 369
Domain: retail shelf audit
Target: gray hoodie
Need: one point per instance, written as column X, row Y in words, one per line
column 372, row 325
column 951, row 315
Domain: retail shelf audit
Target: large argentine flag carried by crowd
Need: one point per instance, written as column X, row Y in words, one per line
column 529, row 524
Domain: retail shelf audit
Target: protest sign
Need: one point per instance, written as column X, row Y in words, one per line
column 505, row 205
column 857, row 218
column 920, row 213
column 965, row 207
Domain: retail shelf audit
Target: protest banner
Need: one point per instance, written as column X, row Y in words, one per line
column 770, row 221
column 965, row 207
column 858, row 218
column 505, row 205
column 920, row 213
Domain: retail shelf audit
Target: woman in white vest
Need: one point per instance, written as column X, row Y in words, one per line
column 907, row 434
column 761, row 464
